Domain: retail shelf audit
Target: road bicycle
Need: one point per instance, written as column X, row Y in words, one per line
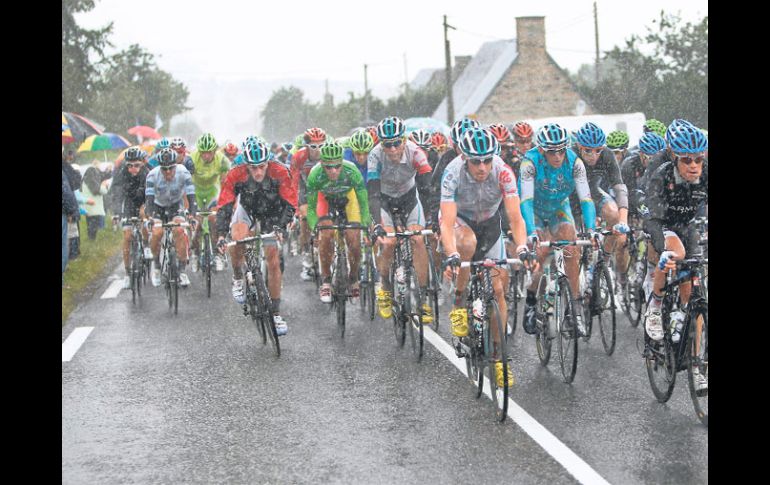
column 633, row 288
column 138, row 271
column 368, row 278
column 169, row 264
column 597, row 286
column 206, row 251
column 485, row 345
column 433, row 289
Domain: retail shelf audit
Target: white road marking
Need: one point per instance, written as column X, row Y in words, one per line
column 550, row 443
column 73, row 342
column 113, row 290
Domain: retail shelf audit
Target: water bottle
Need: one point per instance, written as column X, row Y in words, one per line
column 550, row 296
column 478, row 310
column 677, row 322
column 400, row 278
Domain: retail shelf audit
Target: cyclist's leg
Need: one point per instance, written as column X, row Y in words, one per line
column 180, row 241
column 326, row 249
column 127, row 231
column 387, row 246
column 416, row 222
column 499, row 283
column 465, row 239
column 272, row 255
column 353, row 237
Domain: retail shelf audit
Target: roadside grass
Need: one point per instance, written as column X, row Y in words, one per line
column 90, row 265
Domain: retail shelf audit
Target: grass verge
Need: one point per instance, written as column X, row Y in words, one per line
column 95, row 256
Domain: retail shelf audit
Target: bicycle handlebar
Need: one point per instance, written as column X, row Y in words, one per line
column 490, row 262
column 176, row 224
column 423, row 232
column 270, row 235
column 579, row 242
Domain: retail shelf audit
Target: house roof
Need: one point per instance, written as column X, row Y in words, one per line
column 479, row 78
column 423, row 77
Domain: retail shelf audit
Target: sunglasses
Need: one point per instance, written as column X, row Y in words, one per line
column 593, row 151
column 479, row 161
column 166, row 169
column 134, row 164
column 392, row 144
column 332, row 166
column 314, row 146
column 689, row 160
column 558, row 152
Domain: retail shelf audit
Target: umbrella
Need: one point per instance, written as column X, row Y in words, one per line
column 80, row 126
column 66, row 133
column 429, row 124
column 106, row 141
column 141, row 131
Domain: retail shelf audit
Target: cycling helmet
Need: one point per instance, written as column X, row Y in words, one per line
column 421, row 138
column 459, row 127
column 331, row 152
column 230, row 149
column 655, row 126
column 287, row 147
column 314, row 135
column 684, row 137
column 478, row 143
column 438, row 139
column 373, row 131
column 591, row 136
column 501, row 132
column 178, row 142
column 390, row 128
column 163, row 143
column 361, row 141
column 166, row 157
column 651, row 143
column 522, row 129
column 617, row 139
column 134, row 154
column 256, row 153
column 552, row 137
column 206, row 143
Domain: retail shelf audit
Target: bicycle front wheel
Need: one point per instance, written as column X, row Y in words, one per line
column 604, row 309
column 699, row 360
column 660, row 361
column 413, row 311
column 512, row 297
column 399, row 328
column 341, row 289
column 545, row 319
column 136, row 258
column 567, row 330
column 434, row 286
column 173, row 281
column 496, row 352
column 265, row 312
column 206, row 263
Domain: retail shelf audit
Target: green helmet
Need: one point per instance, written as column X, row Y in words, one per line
column 361, row 141
column 299, row 142
column 617, row 139
column 655, row 126
column 331, row 151
column 206, row 143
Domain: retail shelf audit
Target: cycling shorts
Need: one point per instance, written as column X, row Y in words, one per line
column 352, row 209
column 416, row 216
column 240, row 215
column 489, row 238
column 551, row 220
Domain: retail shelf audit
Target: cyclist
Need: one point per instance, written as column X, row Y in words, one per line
column 421, row 138
column 166, row 187
column 230, row 150
column 508, row 155
column 439, row 143
column 472, row 189
column 676, row 192
column 180, row 147
column 608, row 192
column 655, row 126
column 617, row 142
column 522, row 143
column 239, row 158
column 361, row 143
column 338, row 183
column 259, row 190
column 633, row 169
column 211, row 166
column 397, row 169
column 667, row 155
column 127, row 197
column 301, row 163
column 549, row 174
column 152, row 162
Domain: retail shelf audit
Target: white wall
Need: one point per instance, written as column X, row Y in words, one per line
column 631, row 123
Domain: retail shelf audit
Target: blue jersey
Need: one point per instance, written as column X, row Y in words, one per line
column 237, row 160
column 348, row 155
column 544, row 189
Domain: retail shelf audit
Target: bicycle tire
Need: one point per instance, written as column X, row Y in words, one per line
column 399, row 329
column 372, row 284
column 661, row 365
column 604, row 298
column 512, row 297
column 414, row 314
column 700, row 402
column 499, row 395
column 340, row 288
column 542, row 341
column 173, row 279
column 207, row 251
column 434, row 285
column 265, row 311
column 134, row 270
column 250, row 293
column 567, row 331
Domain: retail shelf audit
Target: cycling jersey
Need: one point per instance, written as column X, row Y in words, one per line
column 206, row 177
column 350, row 178
column 605, row 175
column 477, row 201
column 127, row 192
column 364, row 169
column 238, row 160
column 632, row 170
column 396, row 179
column 545, row 190
column 169, row 193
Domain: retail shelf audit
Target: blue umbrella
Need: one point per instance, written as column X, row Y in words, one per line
column 430, row 124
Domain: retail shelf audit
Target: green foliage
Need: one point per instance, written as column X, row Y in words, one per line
column 670, row 82
column 286, row 114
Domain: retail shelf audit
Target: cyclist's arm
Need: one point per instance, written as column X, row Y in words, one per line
column 373, row 193
column 422, row 177
column 189, row 190
column 312, row 201
column 362, row 196
column 584, row 194
column 528, row 172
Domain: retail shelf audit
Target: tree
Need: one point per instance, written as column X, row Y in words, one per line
column 286, row 114
column 671, row 82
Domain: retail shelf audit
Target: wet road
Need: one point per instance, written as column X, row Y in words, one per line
column 195, row 398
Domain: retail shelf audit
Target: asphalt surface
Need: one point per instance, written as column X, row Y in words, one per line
column 152, row 397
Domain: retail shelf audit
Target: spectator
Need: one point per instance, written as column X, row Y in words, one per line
column 74, row 178
column 69, row 208
column 94, row 187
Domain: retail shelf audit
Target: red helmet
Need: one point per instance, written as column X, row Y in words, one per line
column 500, row 132
column 438, row 139
column 230, row 149
column 373, row 131
column 522, row 129
column 315, row 135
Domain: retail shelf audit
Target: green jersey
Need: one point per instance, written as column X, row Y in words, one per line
column 350, row 178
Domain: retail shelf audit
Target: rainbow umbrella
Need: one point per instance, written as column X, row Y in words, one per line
column 105, row 141
column 80, row 126
column 66, row 133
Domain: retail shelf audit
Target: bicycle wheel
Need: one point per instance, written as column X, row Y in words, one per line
column 604, row 309
column 499, row 394
column 173, row 282
column 206, row 263
column 413, row 312
column 699, row 358
column 512, row 297
column 372, row 277
column 340, row 286
column 265, row 312
column 545, row 318
column 250, row 292
column 660, row 361
column 567, row 330
column 399, row 329
column 135, row 269
column 434, row 286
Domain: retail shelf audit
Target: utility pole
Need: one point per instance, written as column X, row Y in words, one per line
column 366, row 96
column 406, row 77
column 450, row 107
column 596, row 31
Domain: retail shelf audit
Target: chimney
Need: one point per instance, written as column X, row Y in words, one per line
column 530, row 36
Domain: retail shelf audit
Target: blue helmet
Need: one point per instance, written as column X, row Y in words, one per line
column 256, row 153
column 391, row 127
column 552, row 137
column 651, row 143
column 684, row 137
column 163, row 143
column 591, row 136
column 459, row 127
column 479, row 143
